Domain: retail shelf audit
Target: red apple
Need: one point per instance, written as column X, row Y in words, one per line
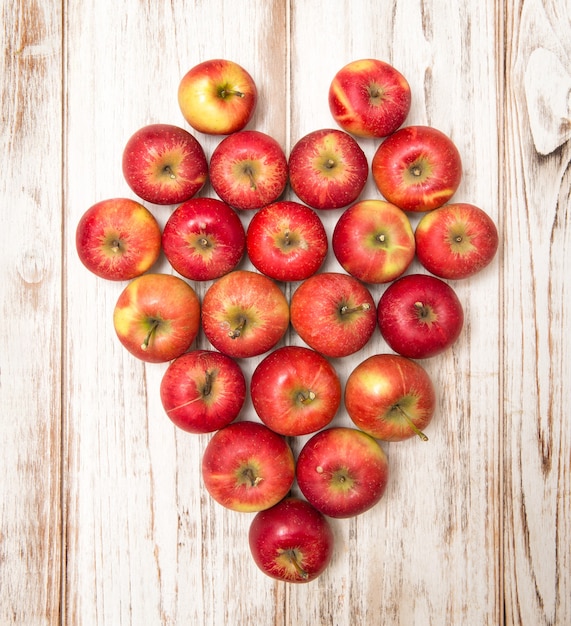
column 420, row 316
column 291, row 541
column 418, row 168
column 295, row 391
column 456, row 241
column 164, row 164
column 333, row 313
column 203, row 391
column 157, row 317
column 373, row 241
column 204, row 239
column 390, row 397
column 342, row 472
column 327, row 169
column 286, row 241
column 217, row 97
column 248, row 169
column 118, row 239
column 247, row 467
column 244, row 314
column 369, row 98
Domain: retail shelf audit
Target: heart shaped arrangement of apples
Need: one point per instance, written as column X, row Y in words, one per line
column 248, row 464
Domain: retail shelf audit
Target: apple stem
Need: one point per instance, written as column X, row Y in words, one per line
column 249, row 474
column 416, row 170
column 234, row 334
column 345, row 310
column 381, row 238
column 287, row 240
column 167, row 169
column 291, row 554
column 329, row 163
column 151, row 332
column 305, row 397
column 115, row 245
column 230, row 92
column 250, row 174
column 204, row 242
column 422, row 310
column 411, row 423
column 207, row 389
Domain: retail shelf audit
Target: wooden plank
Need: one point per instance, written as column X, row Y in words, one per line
column 145, row 543
column 537, row 351
column 31, row 309
column 429, row 553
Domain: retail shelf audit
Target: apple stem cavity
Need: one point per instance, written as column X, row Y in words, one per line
column 236, row 332
column 411, row 423
column 424, row 312
column 305, row 397
column 345, row 310
column 292, row 556
column 168, row 170
column 249, row 476
column 149, row 336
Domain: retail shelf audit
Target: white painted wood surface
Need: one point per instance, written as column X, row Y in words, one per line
column 103, row 518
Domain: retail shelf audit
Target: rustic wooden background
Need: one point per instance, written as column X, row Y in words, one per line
column 103, row 518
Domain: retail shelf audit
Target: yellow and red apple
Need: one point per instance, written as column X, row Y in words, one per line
column 373, row 241
column 217, row 97
column 118, row 239
column 369, row 98
column 390, row 397
column 164, row 164
column 157, row 317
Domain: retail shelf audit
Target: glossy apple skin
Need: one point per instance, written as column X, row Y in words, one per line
column 381, row 389
column 248, row 170
column 342, row 471
column 369, row 98
column 420, row 316
column 327, row 169
column 373, row 241
column 204, row 239
column 217, row 97
column 295, row 391
column 164, row 164
column 456, row 241
column 161, row 308
column 118, row 239
column 317, row 310
column 286, row 241
column 202, row 391
column 292, row 530
column 244, row 314
column 247, row 467
column 418, row 168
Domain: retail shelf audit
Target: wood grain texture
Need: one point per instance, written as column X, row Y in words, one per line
column 103, row 515
column 31, row 309
column 537, row 352
column 449, row 528
column 145, row 544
